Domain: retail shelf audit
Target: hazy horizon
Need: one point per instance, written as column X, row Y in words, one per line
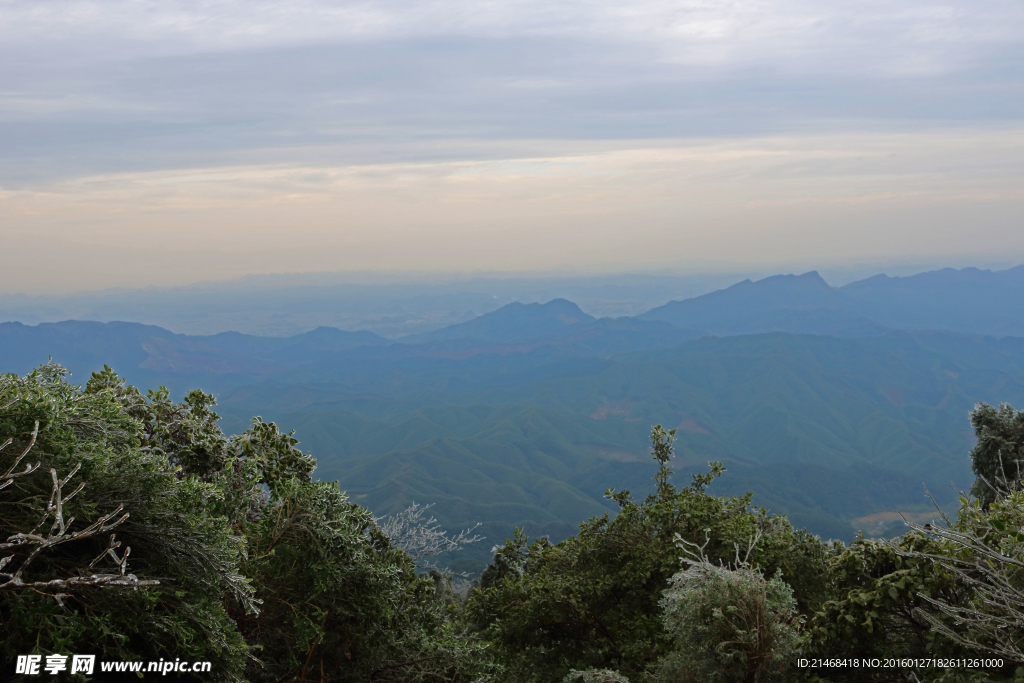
column 399, row 304
column 836, row 274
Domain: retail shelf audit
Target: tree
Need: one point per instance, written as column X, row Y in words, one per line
column 873, row 612
column 997, row 457
column 729, row 624
column 339, row 600
column 983, row 551
column 593, row 601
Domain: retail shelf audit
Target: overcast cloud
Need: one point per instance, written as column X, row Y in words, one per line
column 258, row 94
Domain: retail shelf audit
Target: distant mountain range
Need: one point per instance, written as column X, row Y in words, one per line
column 831, row 404
column 389, row 305
column 969, row 300
column 84, row 344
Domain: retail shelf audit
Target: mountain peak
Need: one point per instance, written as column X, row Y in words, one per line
column 518, row 322
column 809, row 279
column 569, row 313
column 535, row 311
column 802, row 303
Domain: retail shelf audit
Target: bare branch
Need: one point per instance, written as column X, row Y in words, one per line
column 991, row 566
column 11, row 578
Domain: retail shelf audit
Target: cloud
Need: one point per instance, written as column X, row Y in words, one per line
column 136, row 85
column 779, row 29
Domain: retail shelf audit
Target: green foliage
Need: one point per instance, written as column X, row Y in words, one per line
column 593, row 601
column 728, row 625
column 337, row 598
column 877, row 607
column 952, row 590
column 998, row 456
column 185, row 433
column 920, row 596
column 172, row 532
column 274, row 451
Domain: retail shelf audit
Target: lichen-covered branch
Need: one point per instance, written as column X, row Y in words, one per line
column 8, row 477
column 986, row 555
column 13, row 571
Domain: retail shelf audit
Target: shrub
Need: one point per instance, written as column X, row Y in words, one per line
column 728, row 625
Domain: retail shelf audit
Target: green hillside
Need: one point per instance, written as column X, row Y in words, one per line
column 825, row 429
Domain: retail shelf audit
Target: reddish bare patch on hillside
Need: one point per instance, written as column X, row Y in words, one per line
column 620, row 408
column 894, row 395
column 694, row 427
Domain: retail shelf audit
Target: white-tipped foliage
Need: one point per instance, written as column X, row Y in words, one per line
column 421, row 537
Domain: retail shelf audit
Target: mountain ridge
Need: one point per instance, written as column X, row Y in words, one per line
column 967, row 300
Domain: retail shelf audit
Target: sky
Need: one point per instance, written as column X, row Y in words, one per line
column 160, row 143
